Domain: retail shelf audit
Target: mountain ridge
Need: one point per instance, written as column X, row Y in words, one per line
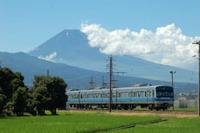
column 72, row 47
column 76, row 78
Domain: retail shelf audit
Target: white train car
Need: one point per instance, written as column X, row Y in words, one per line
column 152, row 97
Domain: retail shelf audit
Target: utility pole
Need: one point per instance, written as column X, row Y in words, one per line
column 91, row 83
column 110, row 83
column 172, row 77
column 198, row 43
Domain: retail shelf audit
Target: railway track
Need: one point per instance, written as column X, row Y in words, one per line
column 169, row 113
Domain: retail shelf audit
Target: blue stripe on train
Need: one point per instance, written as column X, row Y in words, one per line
column 114, row 100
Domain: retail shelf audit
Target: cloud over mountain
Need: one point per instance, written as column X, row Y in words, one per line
column 50, row 57
column 166, row 45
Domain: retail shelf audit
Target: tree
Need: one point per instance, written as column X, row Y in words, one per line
column 6, row 77
column 20, row 97
column 55, row 92
column 39, row 99
column 17, row 81
column 2, row 102
column 9, row 83
column 56, row 89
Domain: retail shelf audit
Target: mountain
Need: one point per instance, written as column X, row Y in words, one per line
column 30, row 66
column 72, row 48
column 75, row 77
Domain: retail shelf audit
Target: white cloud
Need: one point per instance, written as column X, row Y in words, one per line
column 166, row 45
column 50, row 57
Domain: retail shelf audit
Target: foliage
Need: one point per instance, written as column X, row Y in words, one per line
column 2, row 102
column 9, row 83
column 39, row 99
column 49, row 93
column 20, row 97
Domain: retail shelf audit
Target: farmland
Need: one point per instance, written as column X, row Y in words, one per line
column 89, row 122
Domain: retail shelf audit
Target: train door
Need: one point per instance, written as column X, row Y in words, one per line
column 79, row 97
column 153, row 96
column 148, row 95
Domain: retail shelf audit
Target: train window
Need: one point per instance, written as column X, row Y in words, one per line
column 125, row 94
column 164, row 92
column 118, row 94
column 135, row 94
column 129, row 94
column 114, row 95
column 150, row 93
column 104, row 95
column 93, row 96
column 139, row 94
column 142, row 94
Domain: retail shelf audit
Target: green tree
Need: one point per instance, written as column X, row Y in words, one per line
column 2, row 102
column 20, row 98
column 17, row 81
column 9, row 83
column 6, row 77
column 55, row 92
column 39, row 100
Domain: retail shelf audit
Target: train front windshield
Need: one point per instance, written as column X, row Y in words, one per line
column 164, row 91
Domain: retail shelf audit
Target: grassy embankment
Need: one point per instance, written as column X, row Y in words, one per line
column 73, row 122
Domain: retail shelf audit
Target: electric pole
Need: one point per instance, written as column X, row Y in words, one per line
column 172, row 76
column 110, row 83
column 198, row 43
column 91, row 83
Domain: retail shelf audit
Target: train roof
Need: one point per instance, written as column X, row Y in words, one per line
column 118, row 88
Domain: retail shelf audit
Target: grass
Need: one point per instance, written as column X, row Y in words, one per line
column 67, row 123
column 173, row 125
column 186, row 109
column 77, row 122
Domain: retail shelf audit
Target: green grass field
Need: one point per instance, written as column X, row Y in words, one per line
column 76, row 122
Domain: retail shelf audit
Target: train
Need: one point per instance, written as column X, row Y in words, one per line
column 148, row 96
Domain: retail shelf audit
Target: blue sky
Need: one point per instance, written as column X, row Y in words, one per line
column 25, row 24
